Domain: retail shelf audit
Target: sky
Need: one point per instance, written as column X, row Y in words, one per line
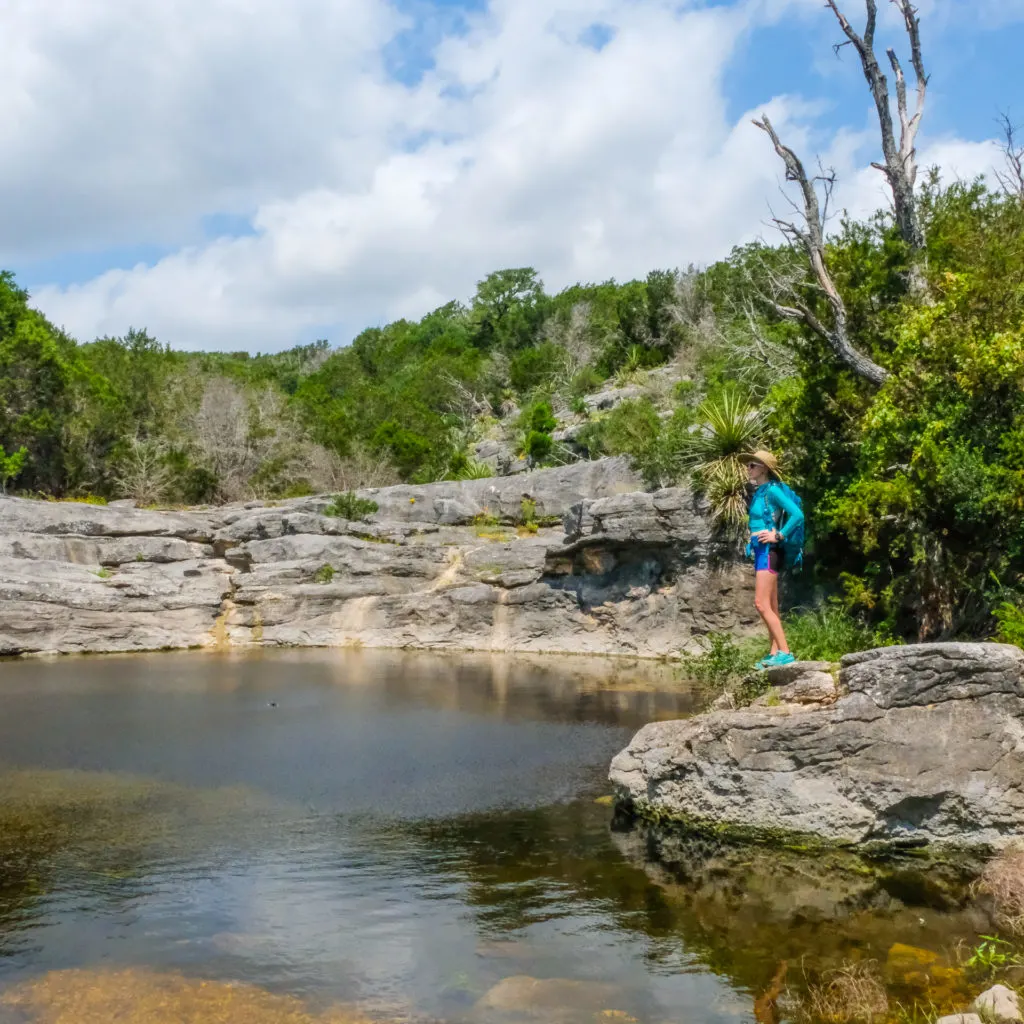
column 251, row 175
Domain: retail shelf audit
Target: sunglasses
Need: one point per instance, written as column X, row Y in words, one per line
column 754, row 465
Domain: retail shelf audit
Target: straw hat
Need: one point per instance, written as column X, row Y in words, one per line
column 767, row 460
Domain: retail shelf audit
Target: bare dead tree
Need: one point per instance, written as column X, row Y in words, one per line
column 738, row 331
column 777, row 359
column 576, row 338
column 810, row 237
column 463, row 401
column 142, row 470
column 900, row 166
column 362, row 467
column 1011, row 180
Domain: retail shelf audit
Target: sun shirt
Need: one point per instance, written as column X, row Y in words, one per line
column 767, row 502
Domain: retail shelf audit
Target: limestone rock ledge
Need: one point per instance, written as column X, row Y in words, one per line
column 925, row 746
column 628, row 572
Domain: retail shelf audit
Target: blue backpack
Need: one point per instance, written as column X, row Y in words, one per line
column 793, row 545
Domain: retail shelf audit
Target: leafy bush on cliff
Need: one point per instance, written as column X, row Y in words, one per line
column 350, row 506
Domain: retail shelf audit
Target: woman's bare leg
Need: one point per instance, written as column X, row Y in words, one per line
column 766, row 600
column 775, row 608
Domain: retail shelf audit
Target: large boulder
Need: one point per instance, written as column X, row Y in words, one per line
column 926, row 746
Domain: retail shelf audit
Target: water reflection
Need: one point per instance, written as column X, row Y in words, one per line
column 401, row 836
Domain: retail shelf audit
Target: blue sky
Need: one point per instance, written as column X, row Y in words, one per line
column 252, row 181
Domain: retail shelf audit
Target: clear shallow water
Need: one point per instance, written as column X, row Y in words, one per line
column 400, row 832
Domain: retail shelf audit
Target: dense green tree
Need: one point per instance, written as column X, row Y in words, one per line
column 38, row 367
column 507, row 309
column 918, row 486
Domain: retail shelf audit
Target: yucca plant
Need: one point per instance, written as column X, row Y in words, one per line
column 729, row 428
column 474, row 470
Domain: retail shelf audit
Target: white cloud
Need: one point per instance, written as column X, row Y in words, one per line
column 128, row 119
column 539, row 151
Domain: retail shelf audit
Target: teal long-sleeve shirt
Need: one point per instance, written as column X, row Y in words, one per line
column 768, row 501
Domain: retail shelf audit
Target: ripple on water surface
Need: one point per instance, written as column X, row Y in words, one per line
column 322, row 835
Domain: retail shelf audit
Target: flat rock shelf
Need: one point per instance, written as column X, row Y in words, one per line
column 603, row 568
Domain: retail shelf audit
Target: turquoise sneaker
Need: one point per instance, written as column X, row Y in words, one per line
column 764, row 663
column 780, row 659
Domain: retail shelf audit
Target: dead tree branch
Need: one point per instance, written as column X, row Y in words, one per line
column 1012, row 179
column 900, row 160
column 810, row 236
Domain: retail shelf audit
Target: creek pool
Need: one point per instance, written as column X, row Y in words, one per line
column 332, row 835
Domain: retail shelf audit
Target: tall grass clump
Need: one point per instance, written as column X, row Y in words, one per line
column 829, row 632
column 1003, row 882
column 853, row 994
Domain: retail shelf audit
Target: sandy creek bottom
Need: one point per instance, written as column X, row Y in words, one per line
column 326, row 837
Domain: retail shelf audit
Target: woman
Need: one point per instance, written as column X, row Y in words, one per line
column 769, row 505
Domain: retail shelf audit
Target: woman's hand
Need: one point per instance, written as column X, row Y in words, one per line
column 768, row 536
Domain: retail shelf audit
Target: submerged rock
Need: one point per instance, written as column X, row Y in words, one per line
column 549, row 998
column 926, row 746
column 141, row 996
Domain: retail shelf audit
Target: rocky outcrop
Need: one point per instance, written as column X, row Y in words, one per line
column 605, row 568
column 926, row 745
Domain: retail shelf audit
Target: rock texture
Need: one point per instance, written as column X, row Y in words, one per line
column 814, row 685
column 611, row 570
column 926, row 746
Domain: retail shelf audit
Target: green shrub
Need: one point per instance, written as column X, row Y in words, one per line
column 534, row 367
column 11, row 465
column 725, row 662
column 538, row 445
column 298, row 489
column 325, row 574
column 485, row 519
column 585, row 381
column 537, row 421
column 350, row 506
column 730, row 426
column 829, row 632
column 1010, row 621
column 528, row 512
column 542, row 419
column 634, row 429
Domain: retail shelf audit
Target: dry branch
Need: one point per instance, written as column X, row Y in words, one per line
column 1012, row 179
column 900, row 160
column 809, row 235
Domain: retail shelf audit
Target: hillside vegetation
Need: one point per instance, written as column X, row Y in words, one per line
column 916, row 487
